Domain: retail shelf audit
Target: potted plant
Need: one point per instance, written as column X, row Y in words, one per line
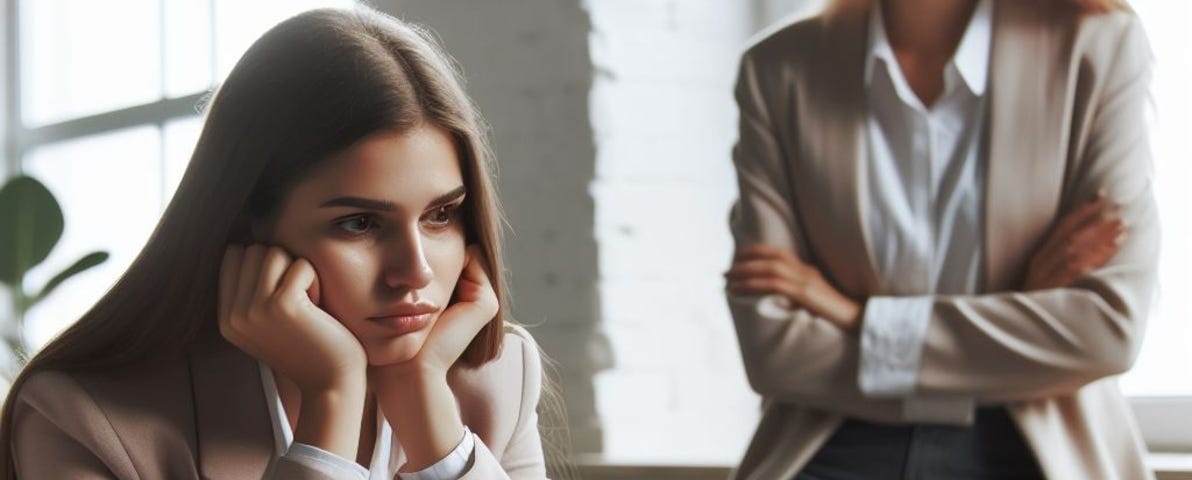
column 30, row 226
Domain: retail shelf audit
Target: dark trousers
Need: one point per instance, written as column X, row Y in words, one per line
column 992, row 448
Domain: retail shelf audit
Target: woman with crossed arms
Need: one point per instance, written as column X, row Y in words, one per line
column 946, row 240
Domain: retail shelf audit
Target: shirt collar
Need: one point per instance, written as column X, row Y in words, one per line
column 971, row 59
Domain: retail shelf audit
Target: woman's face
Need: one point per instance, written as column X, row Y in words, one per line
column 382, row 224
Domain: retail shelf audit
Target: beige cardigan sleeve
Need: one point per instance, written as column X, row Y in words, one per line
column 60, row 431
column 1019, row 345
column 522, row 458
column 792, row 357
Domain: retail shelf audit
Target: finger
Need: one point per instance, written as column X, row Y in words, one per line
column 754, row 286
column 769, row 253
column 297, row 281
column 1076, row 228
column 315, row 291
column 751, row 268
column 1090, row 243
column 760, row 251
column 464, row 319
column 1067, row 270
column 476, row 266
column 770, row 286
column 273, row 266
column 1102, row 230
column 247, row 283
column 1078, row 217
column 229, row 273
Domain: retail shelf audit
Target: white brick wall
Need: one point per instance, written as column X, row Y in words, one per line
column 613, row 122
column 665, row 122
column 527, row 67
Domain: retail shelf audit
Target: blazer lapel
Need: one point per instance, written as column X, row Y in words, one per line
column 234, row 429
column 833, row 126
column 1026, row 144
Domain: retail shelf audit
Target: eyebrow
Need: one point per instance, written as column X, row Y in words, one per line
column 385, row 206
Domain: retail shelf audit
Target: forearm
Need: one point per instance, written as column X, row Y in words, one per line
column 330, row 420
column 1015, row 346
column 425, row 418
column 793, row 357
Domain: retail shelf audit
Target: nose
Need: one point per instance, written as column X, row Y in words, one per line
column 407, row 266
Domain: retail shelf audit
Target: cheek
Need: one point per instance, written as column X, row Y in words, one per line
column 345, row 279
column 446, row 258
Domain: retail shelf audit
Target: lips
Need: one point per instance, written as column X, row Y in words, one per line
column 405, row 318
column 406, row 310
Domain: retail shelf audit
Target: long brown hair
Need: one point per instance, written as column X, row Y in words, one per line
column 310, row 87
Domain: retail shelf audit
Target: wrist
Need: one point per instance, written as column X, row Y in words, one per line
column 422, row 409
column 345, row 385
column 330, row 419
column 857, row 315
column 847, row 314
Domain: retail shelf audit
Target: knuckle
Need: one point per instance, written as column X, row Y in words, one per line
column 258, row 310
column 772, row 269
column 277, row 306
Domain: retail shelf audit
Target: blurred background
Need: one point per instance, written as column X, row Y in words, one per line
column 612, row 121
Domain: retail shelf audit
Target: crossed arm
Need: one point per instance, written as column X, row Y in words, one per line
column 1078, row 316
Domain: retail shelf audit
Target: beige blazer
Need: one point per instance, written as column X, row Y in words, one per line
column 1067, row 118
column 205, row 416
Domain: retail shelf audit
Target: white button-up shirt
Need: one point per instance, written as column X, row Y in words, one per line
column 925, row 192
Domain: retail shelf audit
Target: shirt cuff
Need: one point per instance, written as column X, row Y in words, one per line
column 451, row 467
column 892, row 336
column 774, row 307
column 321, row 460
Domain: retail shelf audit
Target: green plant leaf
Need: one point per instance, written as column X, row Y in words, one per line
column 30, row 225
column 89, row 260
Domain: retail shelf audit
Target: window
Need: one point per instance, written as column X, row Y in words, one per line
column 1159, row 385
column 103, row 102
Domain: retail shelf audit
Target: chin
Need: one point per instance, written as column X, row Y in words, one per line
column 395, row 350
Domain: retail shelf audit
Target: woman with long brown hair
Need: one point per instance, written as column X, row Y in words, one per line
column 321, row 299
column 946, row 240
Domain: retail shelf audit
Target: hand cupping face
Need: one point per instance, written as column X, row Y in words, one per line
column 378, row 232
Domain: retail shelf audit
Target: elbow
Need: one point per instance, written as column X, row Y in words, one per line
column 1117, row 356
column 1115, row 353
column 1111, row 361
column 1112, row 348
column 760, row 379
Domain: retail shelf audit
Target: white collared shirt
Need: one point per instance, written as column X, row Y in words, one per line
column 925, row 195
column 385, row 449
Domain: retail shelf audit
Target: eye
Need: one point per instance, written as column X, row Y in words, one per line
column 357, row 225
column 442, row 216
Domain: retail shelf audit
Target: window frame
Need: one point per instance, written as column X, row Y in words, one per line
column 20, row 139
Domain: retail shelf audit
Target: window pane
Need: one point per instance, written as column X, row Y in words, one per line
column 1165, row 358
column 81, row 57
column 239, row 23
column 180, row 137
column 109, row 189
column 188, row 46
